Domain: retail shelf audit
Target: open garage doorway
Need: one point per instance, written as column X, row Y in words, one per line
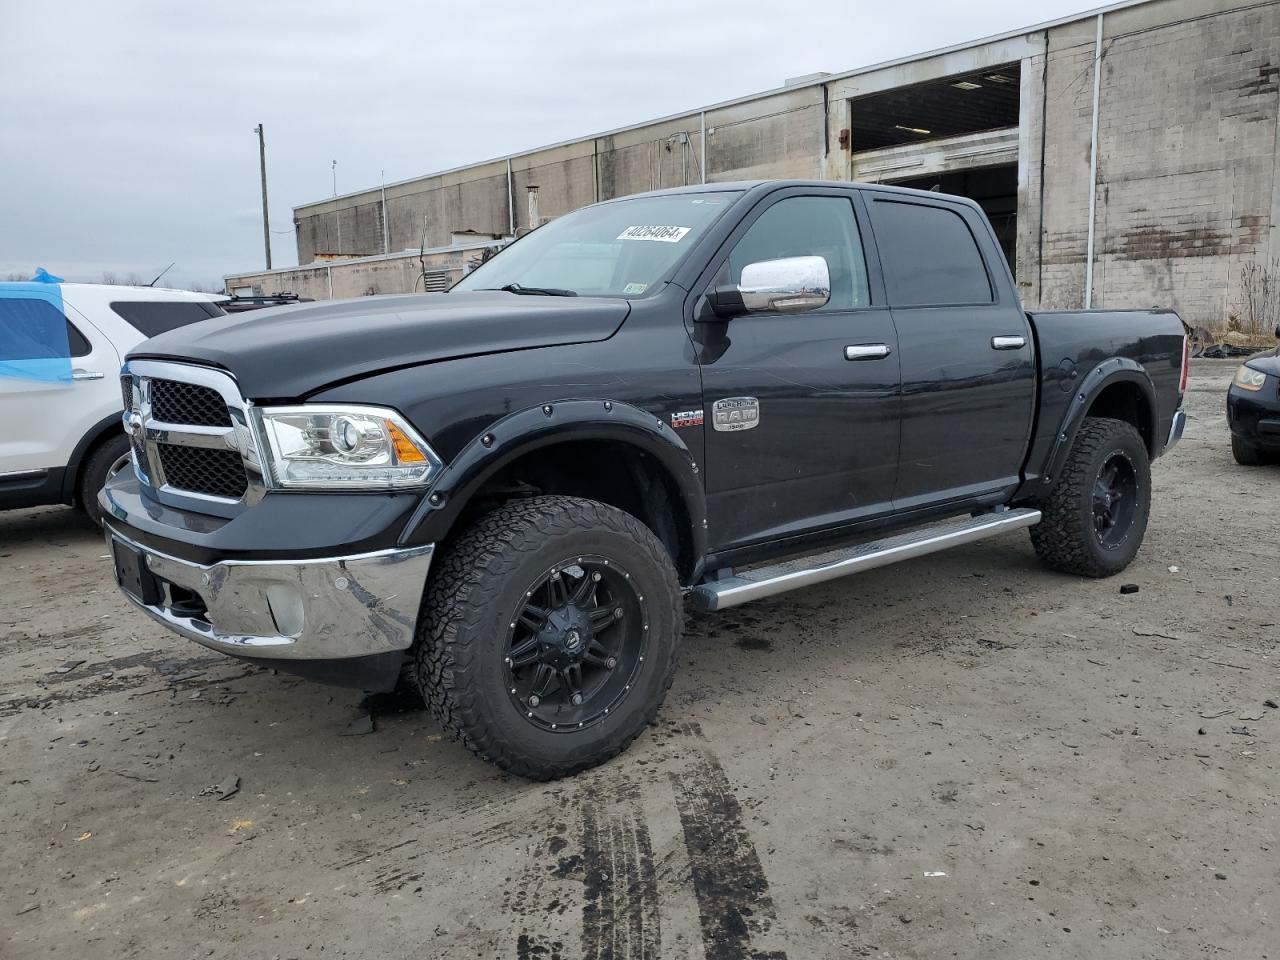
column 995, row 189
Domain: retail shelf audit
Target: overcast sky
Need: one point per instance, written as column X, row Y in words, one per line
column 128, row 136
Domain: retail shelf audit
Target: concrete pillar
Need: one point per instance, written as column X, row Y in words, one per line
column 1031, row 131
column 838, row 163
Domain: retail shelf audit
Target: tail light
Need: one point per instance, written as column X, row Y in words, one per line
column 1186, row 364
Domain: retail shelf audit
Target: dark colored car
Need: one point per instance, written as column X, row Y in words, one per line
column 1253, row 409
column 702, row 396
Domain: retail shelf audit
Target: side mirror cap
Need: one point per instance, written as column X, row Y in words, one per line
column 788, row 285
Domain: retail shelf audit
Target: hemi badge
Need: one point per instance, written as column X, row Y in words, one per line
column 686, row 418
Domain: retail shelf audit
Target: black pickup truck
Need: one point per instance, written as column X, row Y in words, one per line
column 702, row 396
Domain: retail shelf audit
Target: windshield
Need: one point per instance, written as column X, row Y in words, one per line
column 618, row 249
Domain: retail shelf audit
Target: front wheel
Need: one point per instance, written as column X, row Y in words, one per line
column 1094, row 519
column 549, row 635
column 1245, row 453
column 108, row 459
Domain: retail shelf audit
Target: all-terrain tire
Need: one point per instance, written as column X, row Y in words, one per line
column 474, row 592
column 1246, row 454
column 1065, row 538
column 98, row 468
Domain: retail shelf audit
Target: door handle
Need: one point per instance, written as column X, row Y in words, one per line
column 87, row 374
column 867, row 351
column 1008, row 343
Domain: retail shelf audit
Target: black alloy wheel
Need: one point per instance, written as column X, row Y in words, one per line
column 1115, row 499
column 576, row 644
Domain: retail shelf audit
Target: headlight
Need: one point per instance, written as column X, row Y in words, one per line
column 1248, row 378
column 344, row 448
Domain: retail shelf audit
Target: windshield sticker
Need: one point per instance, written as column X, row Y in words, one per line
column 661, row 234
column 635, row 288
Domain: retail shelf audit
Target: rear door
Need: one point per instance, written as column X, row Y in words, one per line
column 968, row 371
column 58, row 378
column 801, row 409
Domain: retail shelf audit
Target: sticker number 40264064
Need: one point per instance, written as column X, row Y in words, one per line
column 661, row 234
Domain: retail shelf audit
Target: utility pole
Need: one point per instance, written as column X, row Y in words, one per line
column 386, row 229
column 262, row 162
column 333, row 165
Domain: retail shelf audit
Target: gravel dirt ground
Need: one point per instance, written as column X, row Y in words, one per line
column 961, row 756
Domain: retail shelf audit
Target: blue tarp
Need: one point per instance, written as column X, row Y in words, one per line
column 33, row 332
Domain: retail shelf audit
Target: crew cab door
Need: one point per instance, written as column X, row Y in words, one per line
column 968, row 370
column 801, row 409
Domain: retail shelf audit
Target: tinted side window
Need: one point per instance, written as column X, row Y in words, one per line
column 154, row 317
column 929, row 256
column 76, row 341
column 35, row 330
column 806, row 227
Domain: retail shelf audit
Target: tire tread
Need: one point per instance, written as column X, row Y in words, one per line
column 458, row 598
column 1059, row 539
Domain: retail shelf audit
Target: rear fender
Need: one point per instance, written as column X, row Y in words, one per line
column 1104, row 375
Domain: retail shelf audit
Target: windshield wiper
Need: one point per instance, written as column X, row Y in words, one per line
column 537, row 291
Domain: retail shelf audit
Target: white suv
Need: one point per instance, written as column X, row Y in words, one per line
column 61, row 347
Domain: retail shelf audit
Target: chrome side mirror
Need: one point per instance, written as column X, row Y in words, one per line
column 789, row 285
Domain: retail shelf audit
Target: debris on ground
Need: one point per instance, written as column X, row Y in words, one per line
column 1129, row 588
column 756, row 718
column 1242, row 731
column 223, row 791
column 1272, row 704
column 359, row 726
column 68, row 666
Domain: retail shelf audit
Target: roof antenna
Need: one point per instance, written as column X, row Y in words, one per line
column 161, row 274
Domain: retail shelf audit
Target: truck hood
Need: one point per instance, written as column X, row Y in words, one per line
column 289, row 352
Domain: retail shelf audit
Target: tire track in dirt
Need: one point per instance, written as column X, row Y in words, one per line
column 620, row 918
column 734, row 904
column 593, row 879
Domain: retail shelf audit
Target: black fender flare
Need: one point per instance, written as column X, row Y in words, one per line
column 1104, row 375
column 526, row 430
column 71, row 476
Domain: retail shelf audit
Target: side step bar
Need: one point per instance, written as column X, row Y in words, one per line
column 767, row 581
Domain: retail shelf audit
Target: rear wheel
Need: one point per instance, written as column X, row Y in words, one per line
column 1094, row 519
column 1246, row 453
column 549, row 635
column 108, row 458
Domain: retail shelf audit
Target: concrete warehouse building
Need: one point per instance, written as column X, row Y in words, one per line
column 1126, row 156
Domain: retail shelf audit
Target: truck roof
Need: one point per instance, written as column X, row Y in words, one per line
column 746, row 186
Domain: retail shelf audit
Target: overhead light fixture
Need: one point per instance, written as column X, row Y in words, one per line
column 967, row 85
column 998, row 78
column 920, row 130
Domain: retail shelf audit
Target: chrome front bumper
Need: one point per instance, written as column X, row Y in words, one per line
column 323, row 609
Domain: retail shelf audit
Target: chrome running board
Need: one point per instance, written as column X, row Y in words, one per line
column 779, row 578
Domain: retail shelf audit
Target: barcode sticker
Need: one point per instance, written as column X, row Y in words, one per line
column 661, row 234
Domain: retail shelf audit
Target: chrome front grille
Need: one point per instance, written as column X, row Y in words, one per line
column 191, row 434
